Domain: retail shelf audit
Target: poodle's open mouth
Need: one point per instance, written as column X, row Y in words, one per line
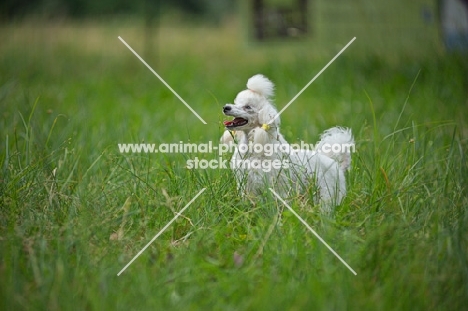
column 235, row 123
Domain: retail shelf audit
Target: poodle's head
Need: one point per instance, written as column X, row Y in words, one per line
column 252, row 107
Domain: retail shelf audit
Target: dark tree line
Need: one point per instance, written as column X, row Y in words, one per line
column 14, row 9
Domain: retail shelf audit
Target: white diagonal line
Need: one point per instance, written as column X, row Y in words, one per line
column 313, row 79
column 160, row 232
column 162, row 80
column 312, row 230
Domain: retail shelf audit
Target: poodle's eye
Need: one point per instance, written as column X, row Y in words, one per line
column 247, row 107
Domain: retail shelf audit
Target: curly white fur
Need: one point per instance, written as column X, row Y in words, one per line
column 261, row 85
column 255, row 124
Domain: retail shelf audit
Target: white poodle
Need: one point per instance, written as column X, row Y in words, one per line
column 263, row 159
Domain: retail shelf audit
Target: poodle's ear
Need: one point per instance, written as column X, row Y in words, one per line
column 267, row 114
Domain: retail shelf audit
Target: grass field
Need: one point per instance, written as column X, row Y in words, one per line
column 74, row 211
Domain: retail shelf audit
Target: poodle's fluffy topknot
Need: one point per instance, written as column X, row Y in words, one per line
column 261, row 85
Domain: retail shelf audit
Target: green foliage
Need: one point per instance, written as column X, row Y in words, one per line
column 74, row 211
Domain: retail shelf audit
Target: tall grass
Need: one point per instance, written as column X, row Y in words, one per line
column 74, row 211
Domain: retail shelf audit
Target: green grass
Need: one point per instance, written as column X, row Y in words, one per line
column 74, row 211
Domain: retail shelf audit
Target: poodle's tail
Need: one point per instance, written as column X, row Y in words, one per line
column 337, row 143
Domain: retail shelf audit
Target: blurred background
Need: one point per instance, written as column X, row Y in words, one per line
column 67, row 53
column 421, row 23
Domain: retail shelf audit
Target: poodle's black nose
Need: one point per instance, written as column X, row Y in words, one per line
column 226, row 108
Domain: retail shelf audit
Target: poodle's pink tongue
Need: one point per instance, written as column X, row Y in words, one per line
column 235, row 122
